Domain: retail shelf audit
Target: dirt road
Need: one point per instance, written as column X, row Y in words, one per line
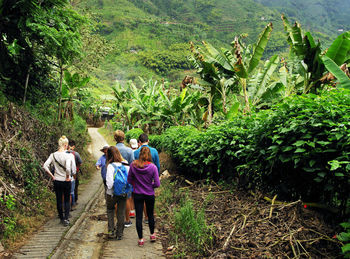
column 86, row 238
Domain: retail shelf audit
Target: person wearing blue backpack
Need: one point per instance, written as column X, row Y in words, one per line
column 117, row 190
column 143, row 175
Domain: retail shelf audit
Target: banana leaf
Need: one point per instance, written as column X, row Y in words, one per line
column 340, row 48
column 214, row 56
column 260, row 47
column 333, row 68
column 263, row 78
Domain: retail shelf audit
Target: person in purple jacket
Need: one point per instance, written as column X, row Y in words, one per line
column 143, row 175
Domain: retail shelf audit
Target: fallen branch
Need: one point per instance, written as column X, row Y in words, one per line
column 229, row 237
column 272, row 204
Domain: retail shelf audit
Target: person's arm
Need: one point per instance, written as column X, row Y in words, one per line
column 132, row 157
column 46, row 167
column 131, row 175
column 73, row 165
column 79, row 161
column 156, row 182
column 69, row 166
column 99, row 163
column 156, row 162
column 109, row 176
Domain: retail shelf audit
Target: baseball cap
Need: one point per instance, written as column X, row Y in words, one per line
column 133, row 143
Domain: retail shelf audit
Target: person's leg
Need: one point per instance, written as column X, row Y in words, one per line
column 127, row 212
column 139, row 201
column 110, row 202
column 66, row 194
column 121, row 201
column 76, row 190
column 132, row 207
column 59, row 194
column 72, row 197
column 149, row 200
column 145, row 212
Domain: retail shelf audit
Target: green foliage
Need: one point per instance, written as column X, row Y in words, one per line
column 191, row 226
column 133, row 133
column 345, row 238
column 299, row 149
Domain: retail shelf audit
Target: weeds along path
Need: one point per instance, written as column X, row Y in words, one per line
column 86, row 238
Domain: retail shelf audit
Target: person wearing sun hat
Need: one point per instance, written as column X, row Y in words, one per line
column 101, row 164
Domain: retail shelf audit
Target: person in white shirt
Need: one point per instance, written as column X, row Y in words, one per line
column 114, row 157
column 65, row 168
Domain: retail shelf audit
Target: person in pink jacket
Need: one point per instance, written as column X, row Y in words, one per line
column 143, row 175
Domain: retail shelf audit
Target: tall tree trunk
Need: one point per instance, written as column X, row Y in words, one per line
column 26, row 86
column 60, row 100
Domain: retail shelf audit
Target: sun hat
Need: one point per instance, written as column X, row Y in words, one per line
column 104, row 147
column 133, row 143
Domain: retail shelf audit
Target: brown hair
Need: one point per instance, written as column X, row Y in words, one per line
column 119, row 136
column 113, row 155
column 145, row 156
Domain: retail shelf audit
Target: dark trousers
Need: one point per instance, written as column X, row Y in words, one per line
column 62, row 189
column 139, row 200
column 121, row 205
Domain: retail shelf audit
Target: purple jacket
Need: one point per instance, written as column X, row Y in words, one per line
column 144, row 180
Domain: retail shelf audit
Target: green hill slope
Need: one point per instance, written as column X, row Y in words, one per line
column 150, row 37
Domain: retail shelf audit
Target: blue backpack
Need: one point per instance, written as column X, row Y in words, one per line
column 121, row 185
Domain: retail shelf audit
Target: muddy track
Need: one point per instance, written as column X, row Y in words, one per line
column 86, row 237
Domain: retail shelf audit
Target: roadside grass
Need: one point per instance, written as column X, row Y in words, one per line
column 185, row 226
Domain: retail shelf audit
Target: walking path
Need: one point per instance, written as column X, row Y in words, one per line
column 86, row 237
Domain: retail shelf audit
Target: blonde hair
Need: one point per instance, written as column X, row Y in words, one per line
column 63, row 141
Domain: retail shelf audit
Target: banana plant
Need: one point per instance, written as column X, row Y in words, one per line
column 177, row 109
column 312, row 63
column 72, row 84
column 230, row 68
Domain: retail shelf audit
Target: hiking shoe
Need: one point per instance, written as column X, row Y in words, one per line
column 127, row 224
column 141, row 242
column 132, row 214
column 119, row 237
column 110, row 234
column 153, row 237
column 66, row 222
column 146, row 221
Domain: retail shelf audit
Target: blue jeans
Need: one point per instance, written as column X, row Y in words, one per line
column 72, row 191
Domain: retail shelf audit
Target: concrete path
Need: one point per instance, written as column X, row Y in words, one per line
column 86, row 238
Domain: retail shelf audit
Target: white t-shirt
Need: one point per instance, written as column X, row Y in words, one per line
column 110, row 177
column 65, row 159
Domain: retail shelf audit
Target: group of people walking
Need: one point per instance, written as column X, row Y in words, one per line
column 129, row 174
column 141, row 163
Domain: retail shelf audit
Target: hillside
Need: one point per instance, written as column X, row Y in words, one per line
column 150, row 38
column 327, row 16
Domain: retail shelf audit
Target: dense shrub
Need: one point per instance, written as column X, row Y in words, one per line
column 133, row 133
column 298, row 149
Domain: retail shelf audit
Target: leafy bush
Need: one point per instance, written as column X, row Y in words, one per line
column 298, row 149
column 345, row 237
column 133, row 133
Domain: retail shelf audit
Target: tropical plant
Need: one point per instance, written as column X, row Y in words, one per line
column 224, row 70
column 312, row 64
column 73, row 84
